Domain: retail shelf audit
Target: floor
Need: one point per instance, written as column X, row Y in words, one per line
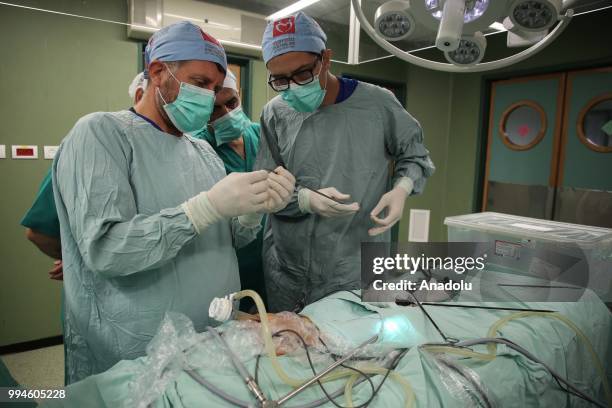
column 38, row 368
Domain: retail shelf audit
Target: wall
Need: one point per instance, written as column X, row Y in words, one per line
column 59, row 69
column 55, row 69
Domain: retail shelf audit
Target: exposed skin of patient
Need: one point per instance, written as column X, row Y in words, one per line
column 287, row 342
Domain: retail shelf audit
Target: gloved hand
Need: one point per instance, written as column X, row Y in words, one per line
column 314, row 203
column 393, row 201
column 234, row 195
column 281, row 186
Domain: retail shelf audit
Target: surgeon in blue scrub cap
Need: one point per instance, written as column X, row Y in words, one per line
column 149, row 221
column 350, row 140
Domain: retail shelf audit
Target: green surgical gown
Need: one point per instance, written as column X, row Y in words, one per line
column 42, row 216
column 249, row 257
column 350, row 146
column 130, row 253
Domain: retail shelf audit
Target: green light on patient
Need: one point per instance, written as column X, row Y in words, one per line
column 398, row 329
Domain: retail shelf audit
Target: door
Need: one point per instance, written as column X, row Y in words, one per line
column 523, row 145
column 584, row 194
column 549, row 151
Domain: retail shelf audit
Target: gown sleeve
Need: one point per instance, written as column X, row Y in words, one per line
column 91, row 178
column 404, row 143
column 266, row 161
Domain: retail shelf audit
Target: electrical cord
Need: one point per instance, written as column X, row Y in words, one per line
column 314, row 372
column 447, row 339
column 500, row 340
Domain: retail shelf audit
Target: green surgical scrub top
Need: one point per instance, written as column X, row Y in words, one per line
column 42, row 216
column 232, row 160
column 249, row 257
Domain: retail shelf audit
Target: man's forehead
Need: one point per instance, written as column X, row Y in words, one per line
column 224, row 95
column 203, row 68
column 290, row 62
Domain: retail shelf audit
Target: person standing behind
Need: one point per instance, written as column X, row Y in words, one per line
column 236, row 140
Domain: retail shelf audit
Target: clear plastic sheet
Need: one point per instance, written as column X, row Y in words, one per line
column 461, row 381
column 177, row 347
column 165, row 359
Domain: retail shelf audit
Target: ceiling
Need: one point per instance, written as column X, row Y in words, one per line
column 334, row 17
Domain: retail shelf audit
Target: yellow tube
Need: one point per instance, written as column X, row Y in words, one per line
column 460, row 352
column 267, row 335
column 348, row 390
column 492, row 347
column 371, row 369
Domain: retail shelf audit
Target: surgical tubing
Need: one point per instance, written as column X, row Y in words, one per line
column 492, row 347
column 267, row 336
column 512, row 345
column 217, row 391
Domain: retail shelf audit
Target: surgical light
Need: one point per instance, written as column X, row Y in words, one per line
column 534, row 15
column 393, row 20
column 474, row 9
column 470, row 51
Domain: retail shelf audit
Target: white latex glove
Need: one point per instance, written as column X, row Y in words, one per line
column 314, row 203
column 281, row 185
column 392, row 201
column 234, row 195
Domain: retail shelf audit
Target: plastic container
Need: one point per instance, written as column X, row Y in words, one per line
column 540, row 248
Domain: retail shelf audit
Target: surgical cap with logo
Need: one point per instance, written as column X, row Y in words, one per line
column 297, row 32
column 184, row 41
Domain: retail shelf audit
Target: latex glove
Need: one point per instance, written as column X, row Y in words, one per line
column 393, row 202
column 281, row 185
column 314, row 203
column 57, row 273
column 234, row 195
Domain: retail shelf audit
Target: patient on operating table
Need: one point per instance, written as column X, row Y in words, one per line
column 285, row 328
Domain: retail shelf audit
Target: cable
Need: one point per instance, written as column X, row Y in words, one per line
column 515, row 309
column 449, row 340
column 235, row 360
column 314, row 372
column 530, row 356
column 216, row 390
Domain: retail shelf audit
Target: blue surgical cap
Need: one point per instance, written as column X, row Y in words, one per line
column 184, row 41
column 298, row 32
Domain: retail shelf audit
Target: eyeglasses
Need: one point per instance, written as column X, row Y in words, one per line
column 303, row 77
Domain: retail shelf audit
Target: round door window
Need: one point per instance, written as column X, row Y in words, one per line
column 595, row 124
column 523, row 125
